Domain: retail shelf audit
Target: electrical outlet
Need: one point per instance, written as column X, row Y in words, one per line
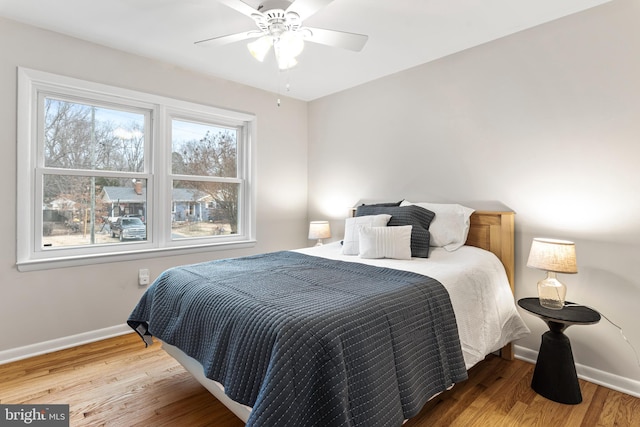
column 143, row 277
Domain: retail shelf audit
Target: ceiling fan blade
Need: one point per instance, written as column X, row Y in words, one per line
column 306, row 8
column 241, row 7
column 231, row 38
column 350, row 41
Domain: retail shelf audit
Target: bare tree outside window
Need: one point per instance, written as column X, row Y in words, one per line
column 79, row 136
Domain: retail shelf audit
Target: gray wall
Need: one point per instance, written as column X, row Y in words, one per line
column 545, row 121
column 42, row 309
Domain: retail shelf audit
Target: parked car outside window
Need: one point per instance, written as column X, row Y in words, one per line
column 129, row 227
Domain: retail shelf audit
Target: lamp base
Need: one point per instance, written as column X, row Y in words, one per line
column 551, row 304
column 319, row 243
column 551, row 292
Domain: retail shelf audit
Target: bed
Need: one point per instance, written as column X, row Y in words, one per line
column 334, row 370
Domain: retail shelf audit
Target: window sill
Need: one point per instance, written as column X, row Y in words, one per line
column 82, row 260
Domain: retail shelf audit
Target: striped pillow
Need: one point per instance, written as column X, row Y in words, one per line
column 385, row 242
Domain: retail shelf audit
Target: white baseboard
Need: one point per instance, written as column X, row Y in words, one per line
column 596, row 376
column 15, row 354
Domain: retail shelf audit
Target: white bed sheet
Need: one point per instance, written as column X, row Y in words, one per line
column 482, row 300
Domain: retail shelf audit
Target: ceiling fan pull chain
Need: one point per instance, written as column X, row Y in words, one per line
column 287, row 83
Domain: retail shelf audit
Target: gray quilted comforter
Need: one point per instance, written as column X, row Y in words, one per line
column 307, row 341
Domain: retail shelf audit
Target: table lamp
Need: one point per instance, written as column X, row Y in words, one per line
column 319, row 230
column 553, row 256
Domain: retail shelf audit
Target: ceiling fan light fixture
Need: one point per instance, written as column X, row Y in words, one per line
column 260, row 47
column 280, row 26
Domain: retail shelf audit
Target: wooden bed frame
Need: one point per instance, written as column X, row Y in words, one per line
column 490, row 230
column 494, row 232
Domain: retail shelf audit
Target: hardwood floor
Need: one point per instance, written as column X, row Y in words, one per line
column 119, row 382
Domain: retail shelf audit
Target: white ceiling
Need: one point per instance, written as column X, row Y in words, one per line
column 402, row 34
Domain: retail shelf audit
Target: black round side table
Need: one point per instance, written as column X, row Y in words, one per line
column 554, row 376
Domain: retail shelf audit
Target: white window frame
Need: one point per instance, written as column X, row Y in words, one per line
column 33, row 84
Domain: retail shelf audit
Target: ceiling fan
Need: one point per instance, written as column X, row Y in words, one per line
column 280, row 26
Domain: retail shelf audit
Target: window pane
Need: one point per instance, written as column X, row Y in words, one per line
column 203, row 149
column 85, row 210
column 204, row 209
column 82, row 136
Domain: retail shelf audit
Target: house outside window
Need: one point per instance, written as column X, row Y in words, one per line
column 95, row 161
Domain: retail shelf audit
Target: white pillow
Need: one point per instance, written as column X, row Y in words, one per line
column 385, row 242
column 450, row 227
column 352, row 226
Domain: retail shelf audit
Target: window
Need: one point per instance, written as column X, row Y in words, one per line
column 106, row 173
column 205, row 184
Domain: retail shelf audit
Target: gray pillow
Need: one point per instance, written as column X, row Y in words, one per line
column 419, row 217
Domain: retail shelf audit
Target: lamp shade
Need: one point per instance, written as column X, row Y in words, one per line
column 319, row 230
column 554, row 255
column 260, row 47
